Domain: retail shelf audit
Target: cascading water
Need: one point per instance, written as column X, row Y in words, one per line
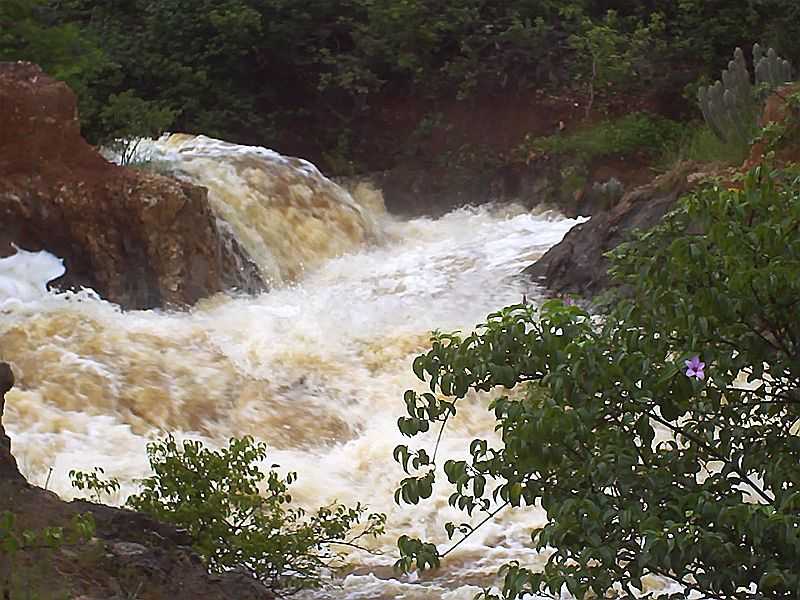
column 283, row 211
column 317, row 369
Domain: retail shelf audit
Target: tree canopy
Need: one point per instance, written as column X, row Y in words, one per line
column 246, row 70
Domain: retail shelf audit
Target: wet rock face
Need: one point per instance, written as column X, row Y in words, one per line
column 434, row 191
column 8, row 466
column 577, row 264
column 139, row 239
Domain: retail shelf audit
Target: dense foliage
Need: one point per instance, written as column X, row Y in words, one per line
column 661, row 438
column 40, row 31
column 238, row 516
column 248, row 69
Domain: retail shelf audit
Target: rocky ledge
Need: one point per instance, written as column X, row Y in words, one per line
column 139, row 239
column 8, row 466
column 577, row 265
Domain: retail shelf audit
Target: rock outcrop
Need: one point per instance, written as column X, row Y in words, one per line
column 8, row 466
column 139, row 239
column 130, row 555
column 577, row 264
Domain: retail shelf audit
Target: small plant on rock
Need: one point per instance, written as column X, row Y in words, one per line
column 26, row 567
column 94, row 483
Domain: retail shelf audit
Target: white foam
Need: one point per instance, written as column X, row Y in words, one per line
column 24, row 276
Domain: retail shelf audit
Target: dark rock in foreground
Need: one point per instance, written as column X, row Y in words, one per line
column 139, row 239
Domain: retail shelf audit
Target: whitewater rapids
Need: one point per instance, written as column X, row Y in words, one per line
column 317, row 369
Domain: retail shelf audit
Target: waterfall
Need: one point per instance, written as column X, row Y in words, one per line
column 284, row 212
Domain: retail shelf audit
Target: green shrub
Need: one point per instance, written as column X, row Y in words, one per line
column 239, row 517
column 661, row 439
column 127, row 119
column 610, row 50
column 13, row 541
column 93, row 483
column 636, row 132
column 699, row 143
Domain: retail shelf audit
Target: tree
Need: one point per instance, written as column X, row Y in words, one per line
column 25, row 34
column 30, row 30
column 661, row 439
column 126, row 119
column 609, row 51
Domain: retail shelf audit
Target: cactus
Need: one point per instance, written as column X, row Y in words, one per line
column 758, row 53
column 730, row 107
column 771, row 70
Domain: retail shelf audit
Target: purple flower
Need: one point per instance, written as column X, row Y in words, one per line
column 567, row 300
column 694, row 368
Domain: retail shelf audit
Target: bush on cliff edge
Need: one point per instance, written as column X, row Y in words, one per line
column 240, row 517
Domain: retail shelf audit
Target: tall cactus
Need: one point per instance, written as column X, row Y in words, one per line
column 771, row 70
column 731, row 106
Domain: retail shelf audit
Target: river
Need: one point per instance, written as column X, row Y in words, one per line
column 316, row 367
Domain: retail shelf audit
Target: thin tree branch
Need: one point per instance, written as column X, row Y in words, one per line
column 478, row 526
column 713, row 452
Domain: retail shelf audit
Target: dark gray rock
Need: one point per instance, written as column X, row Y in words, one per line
column 8, row 466
column 435, row 190
column 577, row 264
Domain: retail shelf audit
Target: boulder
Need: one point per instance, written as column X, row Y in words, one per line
column 139, row 239
column 565, row 182
column 577, row 264
column 129, row 556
